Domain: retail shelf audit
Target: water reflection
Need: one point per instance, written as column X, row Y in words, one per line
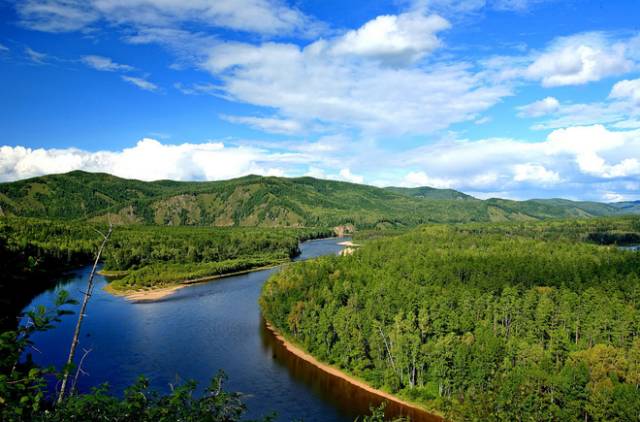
column 635, row 248
column 191, row 335
column 348, row 398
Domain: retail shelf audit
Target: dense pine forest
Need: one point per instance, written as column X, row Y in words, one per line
column 510, row 322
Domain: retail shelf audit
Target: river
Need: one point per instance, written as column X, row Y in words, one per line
column 191, row 335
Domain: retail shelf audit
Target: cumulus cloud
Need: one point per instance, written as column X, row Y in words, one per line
column 627, row 90
column 395, row 39
column 530, row 172
column 147, row 160
column 579, row 59
column 346, row 175
column 539, row 108
column 271, row 17
column 584, row 159
column 141, row 83
column 589, row 143
column 420, row 178
column 104, row 64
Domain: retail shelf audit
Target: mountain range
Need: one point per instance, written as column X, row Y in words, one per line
column 269, row 202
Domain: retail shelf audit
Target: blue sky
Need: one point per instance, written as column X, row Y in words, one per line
column 508, row 98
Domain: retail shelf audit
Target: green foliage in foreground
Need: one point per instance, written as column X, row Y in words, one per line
column 23, row 394
column 483, row 322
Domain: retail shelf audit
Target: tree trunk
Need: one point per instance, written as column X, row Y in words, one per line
column 85, row 301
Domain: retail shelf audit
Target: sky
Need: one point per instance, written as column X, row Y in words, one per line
column 496, row 98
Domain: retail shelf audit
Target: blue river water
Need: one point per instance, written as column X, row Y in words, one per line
column 191, row 335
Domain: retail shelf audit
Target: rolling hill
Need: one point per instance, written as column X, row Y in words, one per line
column 267, row 202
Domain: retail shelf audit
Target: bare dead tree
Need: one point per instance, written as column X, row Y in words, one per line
column 85, row 301
column 384, row 338
column 80, row 370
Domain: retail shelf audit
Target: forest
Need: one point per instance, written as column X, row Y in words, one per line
column 32, row 251
column 509, row 322
column 151, row 256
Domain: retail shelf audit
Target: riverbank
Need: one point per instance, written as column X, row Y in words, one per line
column 416, row 411
column 153, row 294
column 349, row 243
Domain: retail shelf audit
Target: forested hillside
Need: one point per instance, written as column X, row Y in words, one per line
column 526, row 321
column 266, row 202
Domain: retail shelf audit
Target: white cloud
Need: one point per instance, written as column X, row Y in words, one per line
column 316, row 172
column 147, row 160
column 56, row 15
column 345, row 174
column 579, row 59
column 272, row 17
column 539, row 108
column 584, row 159
column 530, row 172
column 420, row 178
column 395, row 39
column 197, row 88
column 515, row 5
column 267, row 124
column 627, row 124
column 620, row 109
column 456, row 7
column 590, row 143
column 569, row 115
column 338, row 90
column 141, row 83
column 627, row 90
column 35, row 56
column 105, row 64
column 3, row 48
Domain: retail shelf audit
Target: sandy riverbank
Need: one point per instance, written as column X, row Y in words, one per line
column 348, row 243
column 344, row 376
column 153, row 294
